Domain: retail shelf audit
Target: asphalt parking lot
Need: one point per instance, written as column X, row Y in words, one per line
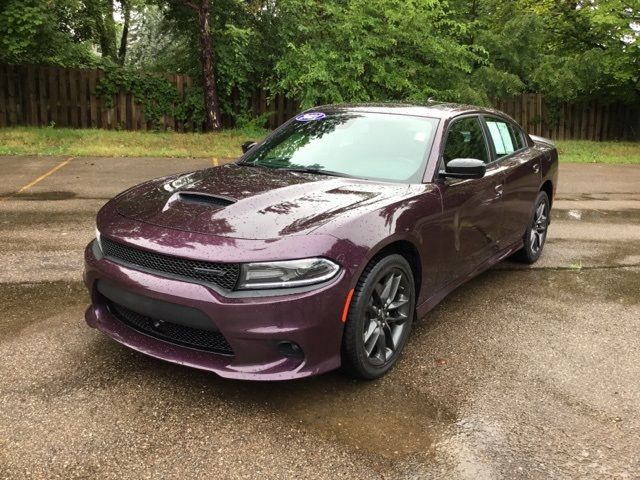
column 522, row 373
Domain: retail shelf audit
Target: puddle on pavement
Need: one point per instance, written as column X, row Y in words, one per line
column 11, row 220
column 620, row 285
column 631, row 215
column 599, row 196
column 41, row 196
column 570, row 253
column 383, row 418
column 24, row 304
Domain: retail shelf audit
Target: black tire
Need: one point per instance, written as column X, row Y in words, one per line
column 375, row 357
column 536, row 234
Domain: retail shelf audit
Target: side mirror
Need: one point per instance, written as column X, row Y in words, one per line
column 246, row 146
column 465, row 168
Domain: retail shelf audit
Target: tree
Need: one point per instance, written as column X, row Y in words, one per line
column 202, row 10
column 124, row 37
column 46, row 32
column 111, row 37
column 104, row 26
column 568, row 50
column 370, row 50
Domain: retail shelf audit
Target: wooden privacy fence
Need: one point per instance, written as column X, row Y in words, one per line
column 67, row 97
column 593, row 120
column 64, row 97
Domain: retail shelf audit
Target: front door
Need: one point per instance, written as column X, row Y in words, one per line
column 472, row 216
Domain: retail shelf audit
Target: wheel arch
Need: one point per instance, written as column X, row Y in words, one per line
column 547, row 187
column 403, row 247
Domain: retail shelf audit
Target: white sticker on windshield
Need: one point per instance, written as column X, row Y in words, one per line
column 420, row 136
column 310, row 116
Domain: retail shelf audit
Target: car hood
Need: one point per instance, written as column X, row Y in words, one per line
column 253, row 203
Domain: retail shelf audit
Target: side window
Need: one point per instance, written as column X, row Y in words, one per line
column 517, row 134
column 506, row 137
column 466, row 140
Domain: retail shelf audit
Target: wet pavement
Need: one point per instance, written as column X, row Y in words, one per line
column 525, row 372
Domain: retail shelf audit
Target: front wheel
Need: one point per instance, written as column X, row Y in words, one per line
column 379, row 318
column 536, row 233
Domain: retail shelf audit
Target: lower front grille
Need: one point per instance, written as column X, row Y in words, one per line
column 206, row 340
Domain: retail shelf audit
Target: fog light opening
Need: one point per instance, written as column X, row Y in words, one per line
column 290, row 350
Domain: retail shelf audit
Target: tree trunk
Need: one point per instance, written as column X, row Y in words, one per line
column 108, row 40
column 126, row 13
column 102, row 13
column 211, row 104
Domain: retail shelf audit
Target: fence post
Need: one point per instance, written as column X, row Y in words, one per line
column 82, row 92
column 73, row 98
column 63, row 109
column 11, row 95
column 93, row 100
column 4, row 102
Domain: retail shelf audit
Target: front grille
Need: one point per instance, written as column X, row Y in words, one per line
column 171, row 332
column 224, row 275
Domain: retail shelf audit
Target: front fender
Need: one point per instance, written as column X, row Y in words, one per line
column 414, row 220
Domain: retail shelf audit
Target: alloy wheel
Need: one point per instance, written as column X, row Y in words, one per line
column 539, row 228
column 386, row 317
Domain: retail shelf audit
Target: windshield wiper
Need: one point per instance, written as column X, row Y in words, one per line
column 317, row 171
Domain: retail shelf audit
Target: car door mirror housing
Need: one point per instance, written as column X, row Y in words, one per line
column 248, row 145
column 465, row 168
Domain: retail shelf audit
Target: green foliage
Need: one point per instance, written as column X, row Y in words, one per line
column 251, row 126
column 566, row 50
column 37, row 31
column 190, row 109
column 367, row 50
column 155, row 93
column 243, row 43
column 157, row 45
column 20, row 25
column 340, row 50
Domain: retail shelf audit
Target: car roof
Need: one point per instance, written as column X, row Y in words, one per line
column 432, row 109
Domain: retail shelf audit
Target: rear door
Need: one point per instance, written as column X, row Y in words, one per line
column 471, row 207
column 521, row 166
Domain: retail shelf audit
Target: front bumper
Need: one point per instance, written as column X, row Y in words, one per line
column 253, row 326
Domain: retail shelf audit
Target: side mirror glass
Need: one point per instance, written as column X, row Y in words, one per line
column 465, row 168
column 246, row 146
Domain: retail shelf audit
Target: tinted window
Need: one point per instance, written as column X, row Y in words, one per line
column 465, row 140
column 506, row 137
column 368, row 145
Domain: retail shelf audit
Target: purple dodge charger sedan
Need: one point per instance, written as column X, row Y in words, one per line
column 322, row 244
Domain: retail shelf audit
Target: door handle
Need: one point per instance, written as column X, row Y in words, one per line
column 499, row 190
column 536, row 167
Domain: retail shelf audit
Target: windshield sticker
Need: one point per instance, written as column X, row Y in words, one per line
column 310, row 116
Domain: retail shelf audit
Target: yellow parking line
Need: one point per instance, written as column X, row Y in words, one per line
column 39, row 179
column 215, row 162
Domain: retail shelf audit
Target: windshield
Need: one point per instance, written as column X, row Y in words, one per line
column 366, row 145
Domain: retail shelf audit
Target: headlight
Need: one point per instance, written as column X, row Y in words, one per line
column 290, row 273
column 98, row 238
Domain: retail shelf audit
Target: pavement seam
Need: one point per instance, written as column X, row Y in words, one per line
column 568, row 268
column 38, row 180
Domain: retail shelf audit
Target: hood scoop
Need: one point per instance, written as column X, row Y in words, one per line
column 213, row 201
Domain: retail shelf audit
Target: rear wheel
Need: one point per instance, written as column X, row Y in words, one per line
column 536, row 233
column 379, row 318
